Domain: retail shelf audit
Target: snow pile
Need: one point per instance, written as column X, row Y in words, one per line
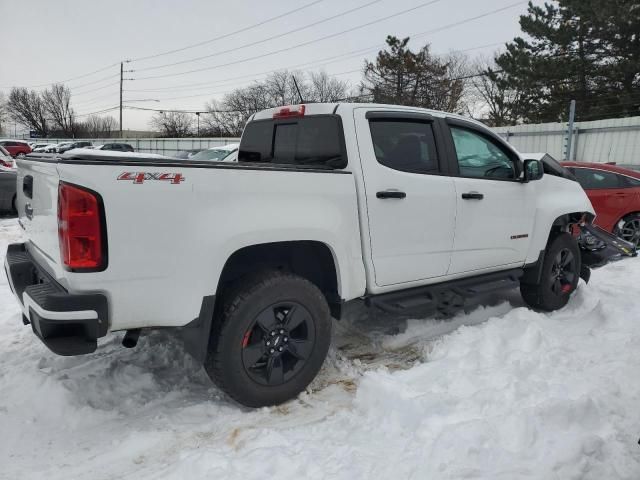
column 499, row 393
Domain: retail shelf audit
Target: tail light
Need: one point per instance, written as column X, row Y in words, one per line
column 290, row 111
column 81, row 230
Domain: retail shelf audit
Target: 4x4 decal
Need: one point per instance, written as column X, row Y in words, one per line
column 141, row 177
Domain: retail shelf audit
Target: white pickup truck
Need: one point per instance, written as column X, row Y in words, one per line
column 401, row 209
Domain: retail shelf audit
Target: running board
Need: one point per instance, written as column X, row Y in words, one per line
column 444, row 297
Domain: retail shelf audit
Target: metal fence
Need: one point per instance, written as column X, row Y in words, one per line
column 163, row 146
column 615, row 140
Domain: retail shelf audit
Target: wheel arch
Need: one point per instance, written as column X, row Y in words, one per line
column 560, row 224
column 310, row 259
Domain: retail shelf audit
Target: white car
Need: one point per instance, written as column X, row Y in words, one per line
column 53, row 148
column 396, row 209
column 222, row 153
column 42, row 147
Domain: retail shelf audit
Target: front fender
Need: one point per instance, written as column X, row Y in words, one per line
column 556, row 197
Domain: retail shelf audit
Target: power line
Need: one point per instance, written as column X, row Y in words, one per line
column 96, row 112
column 70, row 79
column 215, row 39
column 292, row 47
column 463, row 77
column 263, row 40
column 96, row 81
column 112, row 84
column 316, row 63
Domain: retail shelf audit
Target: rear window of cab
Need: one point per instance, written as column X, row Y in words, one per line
column 315, row 141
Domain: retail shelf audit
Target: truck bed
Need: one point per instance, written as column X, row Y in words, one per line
column 163, row 223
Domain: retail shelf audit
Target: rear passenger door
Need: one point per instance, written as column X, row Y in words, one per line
column 410, row 200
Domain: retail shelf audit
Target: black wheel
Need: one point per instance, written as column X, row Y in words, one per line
column 629, row 229
column 559, row 276
column 270, row 340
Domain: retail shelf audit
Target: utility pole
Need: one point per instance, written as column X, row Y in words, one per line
column 198, row 115
column 121, row 81
column 569, row 137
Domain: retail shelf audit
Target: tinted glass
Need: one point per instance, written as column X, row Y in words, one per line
column 591, row 179
column 632, row 182
column 303, row 141
column 481, row 157
column 404, row 145
column 284, row 142
column 255, row 145
column 210, row 155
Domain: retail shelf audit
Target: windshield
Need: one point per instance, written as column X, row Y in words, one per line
column 212, row 154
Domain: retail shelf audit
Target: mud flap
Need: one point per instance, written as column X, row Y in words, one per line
column 599, row 247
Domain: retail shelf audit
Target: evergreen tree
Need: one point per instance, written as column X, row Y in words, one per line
column 402, row 77
column 585, row 50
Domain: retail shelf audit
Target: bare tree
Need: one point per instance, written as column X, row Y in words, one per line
column 57, row 104
column 97, row 126
column 228, row 117
column 27, row 108
column 500, row 105
column 324, row 88
column 3, row 112
column 172, row 124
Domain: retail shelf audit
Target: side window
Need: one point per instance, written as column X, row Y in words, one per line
column 591, row 179
column 480, row 157
column 405, row 145
column 631, row 182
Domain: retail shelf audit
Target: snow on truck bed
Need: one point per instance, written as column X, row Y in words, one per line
column 498, row 393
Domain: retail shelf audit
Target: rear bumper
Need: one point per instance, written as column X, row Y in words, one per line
column 68, row 324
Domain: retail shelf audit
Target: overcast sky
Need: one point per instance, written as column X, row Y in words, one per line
column 46, row 41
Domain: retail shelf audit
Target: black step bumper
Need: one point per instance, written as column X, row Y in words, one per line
column 68, row 324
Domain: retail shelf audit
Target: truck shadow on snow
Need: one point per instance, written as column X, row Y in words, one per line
column 159, row 372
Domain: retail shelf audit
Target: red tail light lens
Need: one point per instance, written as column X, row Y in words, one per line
column 290, row 111
column 80, row 229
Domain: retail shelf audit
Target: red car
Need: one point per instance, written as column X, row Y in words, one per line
column 17, row 148
column 615, row 195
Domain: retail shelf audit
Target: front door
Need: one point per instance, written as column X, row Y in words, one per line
column 410, row 204
column 495, row 211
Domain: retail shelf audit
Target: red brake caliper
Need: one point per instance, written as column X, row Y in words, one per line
column 245, row 339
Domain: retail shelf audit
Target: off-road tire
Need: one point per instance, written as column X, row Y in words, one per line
column 242, row 303
column 541, row 295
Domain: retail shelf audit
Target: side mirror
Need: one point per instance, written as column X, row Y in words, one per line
column 533, row 170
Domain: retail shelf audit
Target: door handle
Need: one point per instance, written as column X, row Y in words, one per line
column 391, row 194
column 472, row 196
column 28, row 211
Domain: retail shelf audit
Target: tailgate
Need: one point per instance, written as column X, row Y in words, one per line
column 37, row 204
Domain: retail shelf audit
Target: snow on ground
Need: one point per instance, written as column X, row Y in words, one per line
column 497, row 393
